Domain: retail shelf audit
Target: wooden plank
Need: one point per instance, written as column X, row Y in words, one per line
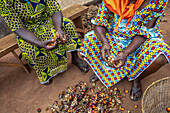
column 7, row 44
column 13, row 47
column 10, row 64
column 78, row 22
column 79, row 25
column 17, row 57
column 74, row 11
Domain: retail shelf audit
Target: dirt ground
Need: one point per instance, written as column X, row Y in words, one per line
column 22, row 93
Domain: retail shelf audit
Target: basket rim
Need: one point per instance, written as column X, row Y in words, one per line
column 149, row 88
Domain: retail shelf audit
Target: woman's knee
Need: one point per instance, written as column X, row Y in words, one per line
column 161, row 60
column 67, row 22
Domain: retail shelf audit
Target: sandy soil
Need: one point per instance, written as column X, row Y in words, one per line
column 22, row 93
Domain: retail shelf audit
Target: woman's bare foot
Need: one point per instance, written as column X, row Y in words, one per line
column 81, row 64
column 136, row 92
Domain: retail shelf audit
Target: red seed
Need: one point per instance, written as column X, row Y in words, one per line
column 126, row 91
column 168, row 109
column 136, row 106
column 91, row 89
column 122, row 109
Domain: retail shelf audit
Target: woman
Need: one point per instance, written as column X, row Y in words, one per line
column 129, row 31
column 38, row 23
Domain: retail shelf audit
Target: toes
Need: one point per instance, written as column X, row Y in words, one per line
column 85, row 64
column 138, row 95
column 132, row 95
column 84, row 69
column 93, row 78
column 135, row 96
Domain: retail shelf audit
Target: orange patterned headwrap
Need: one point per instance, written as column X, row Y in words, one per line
column 122, row 8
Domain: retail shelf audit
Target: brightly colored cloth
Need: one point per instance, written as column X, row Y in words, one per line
column 123, row 9
column 37, row 18
column 118, row 40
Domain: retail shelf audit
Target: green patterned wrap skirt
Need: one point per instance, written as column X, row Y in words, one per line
column 35, row 16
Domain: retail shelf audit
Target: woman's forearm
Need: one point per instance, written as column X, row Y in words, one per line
column 57, row 20
column 134, row 44
column 28, row 36
column 100, row 33
column 138, row 40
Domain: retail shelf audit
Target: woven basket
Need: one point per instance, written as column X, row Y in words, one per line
column 156, row 97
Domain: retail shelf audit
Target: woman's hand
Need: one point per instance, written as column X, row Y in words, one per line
column 105, row 49
column 134, row 44
column 120, row 60
column 48, row 44
column 61, row 36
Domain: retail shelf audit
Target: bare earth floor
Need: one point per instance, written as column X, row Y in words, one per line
column 22, row 93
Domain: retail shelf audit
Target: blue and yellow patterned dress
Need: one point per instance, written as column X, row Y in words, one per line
column 137, row 61
column 36, row 16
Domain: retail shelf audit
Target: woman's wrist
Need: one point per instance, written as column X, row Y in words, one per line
column 58, row 28
column 126, row 52
column 38, row 43
column 104, row 41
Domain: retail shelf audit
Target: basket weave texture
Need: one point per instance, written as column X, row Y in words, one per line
column 156, row 97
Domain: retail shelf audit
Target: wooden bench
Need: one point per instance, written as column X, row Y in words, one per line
column 74, row 13
column 9, row 43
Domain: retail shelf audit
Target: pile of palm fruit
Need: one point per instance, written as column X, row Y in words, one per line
column 77, row 100
column 91, row 13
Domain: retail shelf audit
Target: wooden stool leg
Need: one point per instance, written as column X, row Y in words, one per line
column 20, row 56
column 17, row 57
column 79, row 25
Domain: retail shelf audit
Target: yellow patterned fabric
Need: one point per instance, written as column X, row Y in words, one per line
column 35, row 16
